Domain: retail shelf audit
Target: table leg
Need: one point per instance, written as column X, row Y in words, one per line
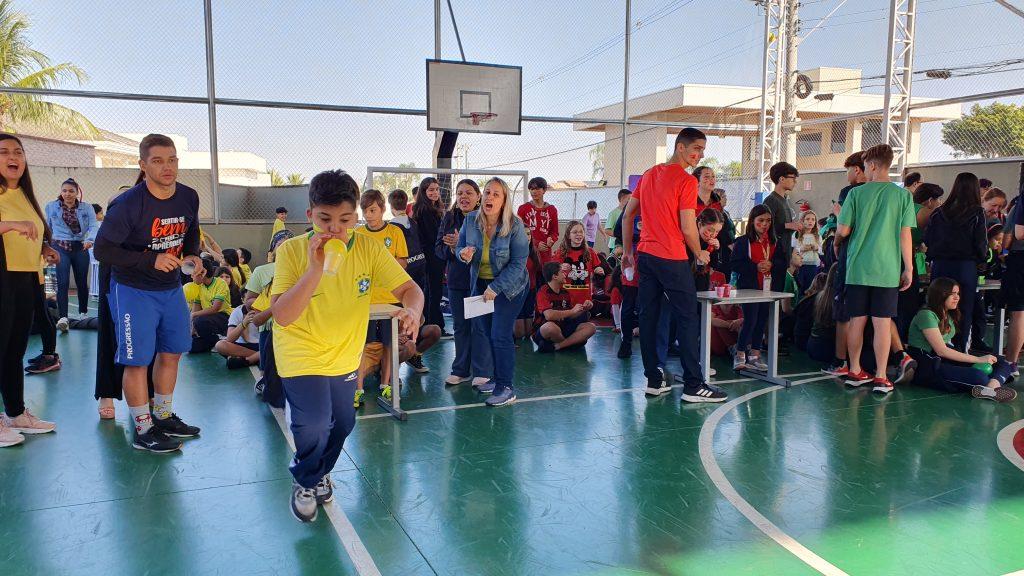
column 705, row 338
column 1000, row 327
column 395, row 407
column 773, row 339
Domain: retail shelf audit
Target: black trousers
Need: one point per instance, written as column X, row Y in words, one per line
column 662, row 279
column 42, row 322
column 109, row 374
column 435, row 289
column 17, row 292
column 629, row 313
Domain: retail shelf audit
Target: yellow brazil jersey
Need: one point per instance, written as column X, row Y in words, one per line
column 205, row 295
column 22, row 253
column 393, row 239
column 278, row 226
column 327, row 338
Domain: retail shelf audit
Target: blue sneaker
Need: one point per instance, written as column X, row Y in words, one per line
column 507, row 396
column 486, row 387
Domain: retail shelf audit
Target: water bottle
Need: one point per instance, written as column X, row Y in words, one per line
column 50, row 281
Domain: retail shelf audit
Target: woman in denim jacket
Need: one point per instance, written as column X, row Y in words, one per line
column 494, row 242
column 469, row 363
column 74, row 228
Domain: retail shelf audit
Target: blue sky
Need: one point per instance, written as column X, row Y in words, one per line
column 372, row 54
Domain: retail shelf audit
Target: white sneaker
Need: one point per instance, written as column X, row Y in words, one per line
column 478, row 381
column 28, row 423
column 63, row 325
column 453, row 380
column 712, row 372
column 9, row 437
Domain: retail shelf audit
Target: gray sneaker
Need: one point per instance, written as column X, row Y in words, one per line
column 324, row 490
column 303, row 503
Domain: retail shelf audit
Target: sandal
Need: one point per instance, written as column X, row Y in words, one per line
column 106, row 412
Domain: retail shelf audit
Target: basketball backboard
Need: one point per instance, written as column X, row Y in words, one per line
column 474, row 97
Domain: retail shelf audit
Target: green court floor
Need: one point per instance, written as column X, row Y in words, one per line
column 583, row 476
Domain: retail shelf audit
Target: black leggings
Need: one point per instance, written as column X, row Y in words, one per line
column 109, row 374
column 43, row 323
column 17, row 291
column 435, row 289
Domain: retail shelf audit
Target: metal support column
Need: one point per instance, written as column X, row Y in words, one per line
column 623, row 180
column 899, row 73
column 772, row 89
column 211, row 105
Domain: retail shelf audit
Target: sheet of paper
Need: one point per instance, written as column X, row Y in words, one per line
column 475, row 306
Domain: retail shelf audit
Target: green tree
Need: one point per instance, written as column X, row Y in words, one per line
column 276, row 179
column 295, row 179
column 597, row 162
column 724, row 170
column 989, row 131
column 23, row 67
column 388, row 181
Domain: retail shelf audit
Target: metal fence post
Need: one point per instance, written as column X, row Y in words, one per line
column 212, row 108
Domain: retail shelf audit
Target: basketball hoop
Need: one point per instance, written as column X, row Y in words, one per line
column 479, row 117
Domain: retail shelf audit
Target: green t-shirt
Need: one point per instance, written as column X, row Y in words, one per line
column 260, row 282
column 876, row 212
column 792, row 288
column 923, row 320
column 613, row 217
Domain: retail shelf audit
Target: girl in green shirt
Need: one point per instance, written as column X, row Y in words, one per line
column 941, row 367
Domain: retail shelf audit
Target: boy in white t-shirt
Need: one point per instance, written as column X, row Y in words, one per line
column 241, row 345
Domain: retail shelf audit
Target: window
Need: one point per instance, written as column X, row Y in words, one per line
column 808, row 144
column 871, row 134
column 839, row 137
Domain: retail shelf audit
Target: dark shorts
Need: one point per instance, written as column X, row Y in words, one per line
column 379, row 331
column 254, row 346
column 529, row 305
column 871, row 301
column 566, row 326
column 1012, row 290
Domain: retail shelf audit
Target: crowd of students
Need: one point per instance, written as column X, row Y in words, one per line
column 884, row 288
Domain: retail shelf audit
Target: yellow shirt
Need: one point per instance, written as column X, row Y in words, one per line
column 327, row 338
column 22, row 253
column 247, row 271
column 206, row 295
column 236, row 276
column 393, row 239
column 485, row 260
column 278, row 226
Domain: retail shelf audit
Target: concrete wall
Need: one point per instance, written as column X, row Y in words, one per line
column 819, row 188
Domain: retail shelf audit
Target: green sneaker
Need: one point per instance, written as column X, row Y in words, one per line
column 386, row 392
column 358, row 402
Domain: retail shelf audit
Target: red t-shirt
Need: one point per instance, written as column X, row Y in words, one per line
column 713, row 202
column 579, row 278
column 542, row 224
column 722, row 338
column 548, row 299
column 663, row 192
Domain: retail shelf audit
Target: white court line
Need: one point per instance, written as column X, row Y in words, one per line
column 558, row 397
column 707, row 457
column 353, row 545
column 1005, row 442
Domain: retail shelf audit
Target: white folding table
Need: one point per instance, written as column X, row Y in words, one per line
column 394, row 407
column 710, row 298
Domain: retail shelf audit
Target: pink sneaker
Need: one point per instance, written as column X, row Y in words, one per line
column 9, row 437
column 28, row 423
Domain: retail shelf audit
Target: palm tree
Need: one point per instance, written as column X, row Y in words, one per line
column 295, row 179
column 276, row 179
column 23, row 67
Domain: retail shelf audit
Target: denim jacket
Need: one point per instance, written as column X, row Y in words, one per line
column 60, row 229
column 508, row 255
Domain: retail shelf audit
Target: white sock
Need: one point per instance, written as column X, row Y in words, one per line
column 141, row 418
column 162, row 405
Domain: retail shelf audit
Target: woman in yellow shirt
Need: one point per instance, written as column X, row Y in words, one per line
column 23, row 230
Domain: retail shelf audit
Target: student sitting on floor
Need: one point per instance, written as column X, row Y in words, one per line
column 241, row 345
column 210, row 302
column 224, row 273
column 803, row 314
column 377, row 354
column 941, row 367
column 726, row 322
column 560, row 323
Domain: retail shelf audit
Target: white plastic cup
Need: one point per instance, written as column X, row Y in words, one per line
column 720, row 291
column 188, row 267
column 628, row 273
column 334, row 253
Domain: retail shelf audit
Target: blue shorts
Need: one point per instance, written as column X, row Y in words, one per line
column 147, row 322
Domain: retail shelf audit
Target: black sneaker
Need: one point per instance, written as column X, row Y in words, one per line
column 324, row 490
column 905, row 370
column 49, row 363
column 705, row 393
column 36, row 360
column 445, row 335
column 153, row 440
column 416, row 363
column 303, row 503
column 173, row 426
column 543, row 344
column 658, row 386
column 237, row 363
column 980, row 348
column 625, row 350
column 259, row 387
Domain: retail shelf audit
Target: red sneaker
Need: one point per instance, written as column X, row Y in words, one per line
column 882, row 385
column 838, row 370
column 857, row 378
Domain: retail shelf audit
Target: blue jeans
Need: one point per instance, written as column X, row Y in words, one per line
column 661, row 278
column 494, row 332
column 322, row 417
column 755, row 316
column 965, row 272
column 469, row 360
column 77, row 260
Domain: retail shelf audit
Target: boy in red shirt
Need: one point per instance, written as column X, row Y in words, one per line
column 540, row 219
column 666, row 198
column 560, row 323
